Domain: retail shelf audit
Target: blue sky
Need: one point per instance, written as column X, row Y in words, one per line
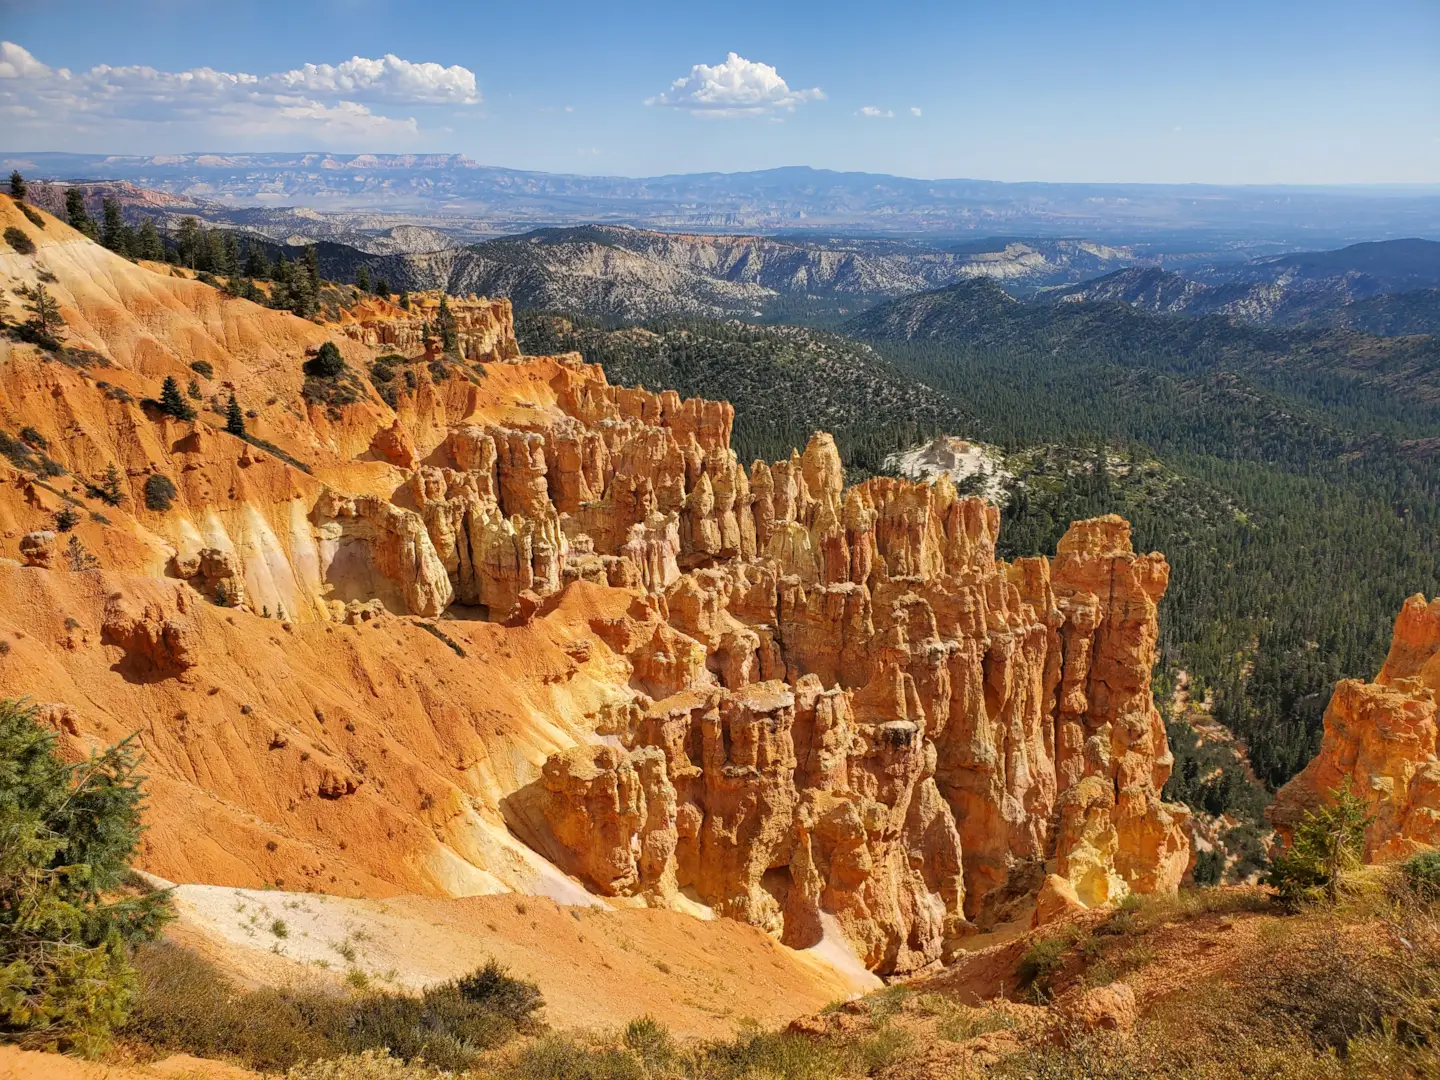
column 1269, row 91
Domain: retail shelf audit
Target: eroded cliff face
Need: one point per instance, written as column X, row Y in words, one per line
column 1380, row 737
column 675, row 677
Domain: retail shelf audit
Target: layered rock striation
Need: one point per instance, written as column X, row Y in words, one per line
column 1381, row 738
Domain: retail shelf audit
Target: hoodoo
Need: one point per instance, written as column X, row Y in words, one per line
column 1380, row 737
column 445, row 622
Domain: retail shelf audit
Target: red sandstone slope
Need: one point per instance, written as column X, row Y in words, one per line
column 800, row 705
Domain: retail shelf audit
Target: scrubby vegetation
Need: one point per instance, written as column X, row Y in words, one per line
column 185, row 1004
column 17, row 239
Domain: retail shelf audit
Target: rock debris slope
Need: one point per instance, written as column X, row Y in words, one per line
column 678, row 680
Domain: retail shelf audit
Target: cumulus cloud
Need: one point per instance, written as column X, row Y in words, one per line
column 329, row 102
column 388, row 79
column 872, row 111
column 738, row 87
column 914, row 110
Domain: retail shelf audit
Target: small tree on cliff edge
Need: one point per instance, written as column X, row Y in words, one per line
column 66, row 923
column 17, row 185
column 1329, row 843
column 234, row 418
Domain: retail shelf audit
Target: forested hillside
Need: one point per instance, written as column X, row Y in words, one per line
column 1324, row 444
column 784, row 381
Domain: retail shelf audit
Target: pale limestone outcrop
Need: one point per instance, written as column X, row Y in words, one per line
column 372, row 549
column 1381, row 739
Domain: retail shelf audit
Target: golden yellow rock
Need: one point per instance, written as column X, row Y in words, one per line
column 1380, row 737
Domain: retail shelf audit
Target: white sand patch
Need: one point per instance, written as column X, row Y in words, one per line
column 836, row 954
column 958, row 459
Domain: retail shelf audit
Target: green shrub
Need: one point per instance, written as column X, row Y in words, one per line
column 559, row 1057
column 67, row 922
column 203, row 368
column 186, row 1005
column 1422, row 873
column 327, row 363
column 33, row 215
column 17, row 239
column 159, row 492
column 781, row 1055
column 1042, row 960
column 495, row 989
column 650, row 1040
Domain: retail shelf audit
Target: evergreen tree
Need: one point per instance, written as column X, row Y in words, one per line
column 362, row 279
column 231, row 254
column 18, row 186
column 190, row 244
column 234, row 418
column 302, row 290
column 312, row 263
column 382, row 288
column 171, row 401
column 115, row 234
column 405, row 299
column 76, row 214
column 70, row 831
column 79, row 557
column 449, row 335
column 1326, row 845
column 147, row 243
column 44, row 311
column 109, row 490
column 256, row 265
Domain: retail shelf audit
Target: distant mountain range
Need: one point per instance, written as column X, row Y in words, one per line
column 626, row 273
column 1389, row 287
column 786, row 198
column 616, row 272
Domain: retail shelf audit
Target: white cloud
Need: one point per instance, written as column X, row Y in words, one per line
column 914, row 110
column 872, row 111
column 387, row 79
column 321, row 102
column 738, row 87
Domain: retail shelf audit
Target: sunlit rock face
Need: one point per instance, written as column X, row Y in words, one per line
column 1380, row 738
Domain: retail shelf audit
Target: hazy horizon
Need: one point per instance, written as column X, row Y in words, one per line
column 1228, row 93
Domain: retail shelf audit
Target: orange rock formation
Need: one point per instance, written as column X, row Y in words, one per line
column 677, row 679
column 1381, row 737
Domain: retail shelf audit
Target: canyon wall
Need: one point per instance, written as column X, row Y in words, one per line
column 382, row 640
column 1380, row 737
